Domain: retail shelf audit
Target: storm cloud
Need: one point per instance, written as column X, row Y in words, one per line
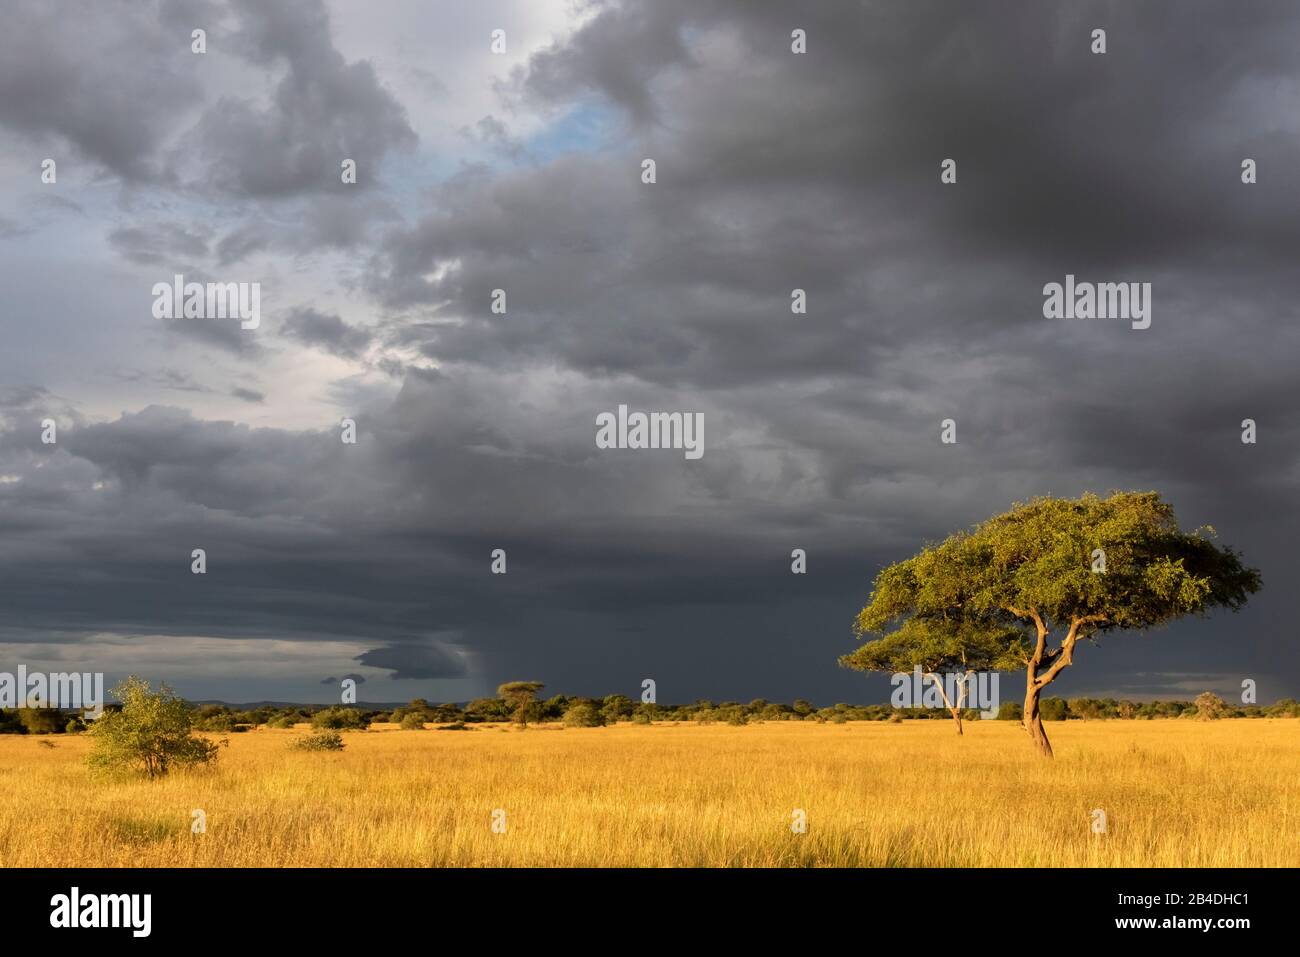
column 775, row 171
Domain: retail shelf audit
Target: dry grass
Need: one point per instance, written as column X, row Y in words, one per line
column 1176, row 793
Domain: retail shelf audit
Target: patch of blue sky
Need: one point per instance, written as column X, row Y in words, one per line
column 588, row 128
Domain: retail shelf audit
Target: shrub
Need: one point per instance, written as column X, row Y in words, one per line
column 223, row 723
column 336, row 719
column 455, row 726
column 1209, row 706
column 487, row 709
column 413, row 721
column 283, row 722
column 153, row 731
column 320, row 741
column 1011, row 711
column 1053, row 709
column 582, row 714
column 616, row 707
column 42, row 720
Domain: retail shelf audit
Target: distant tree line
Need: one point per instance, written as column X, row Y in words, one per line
column 576, row 711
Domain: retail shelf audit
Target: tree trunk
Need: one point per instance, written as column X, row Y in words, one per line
column 1033, row 720
column 956, row 716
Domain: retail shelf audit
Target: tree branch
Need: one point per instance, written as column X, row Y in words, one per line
column 942, row 691
column 1042, row 631
column 1063, row 657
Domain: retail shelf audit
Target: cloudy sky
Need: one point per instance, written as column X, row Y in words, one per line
column 521, row 170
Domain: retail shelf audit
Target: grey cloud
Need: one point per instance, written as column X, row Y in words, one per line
column 116, row 110
column 326, row 331
column 323, row 110
column 160, row 243
column 425, row 660
column 359, row 679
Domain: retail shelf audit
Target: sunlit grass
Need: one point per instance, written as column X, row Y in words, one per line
column 1175, row 793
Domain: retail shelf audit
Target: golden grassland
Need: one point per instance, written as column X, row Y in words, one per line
column 1176, row 793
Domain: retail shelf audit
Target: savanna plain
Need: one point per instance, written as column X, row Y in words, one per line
column 1174, row 793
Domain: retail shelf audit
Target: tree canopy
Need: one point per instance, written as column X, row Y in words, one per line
column 1074, row 568
column 153, row 731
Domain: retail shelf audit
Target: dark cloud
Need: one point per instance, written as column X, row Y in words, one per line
column 776, row 171
column 248, row 395
column 115, row 100
column 325, row 331
column 419, row 661
column 322, row 111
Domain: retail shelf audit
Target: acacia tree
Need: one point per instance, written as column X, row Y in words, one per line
column 1054, row 572
column 936, row 646
column 521, row 698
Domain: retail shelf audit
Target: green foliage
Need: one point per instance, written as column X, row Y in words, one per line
column 992, row 597
column 338, row 718
column 583, row 714
column 319, row 741
column 616, row 707
column 42, row 720
column 1054, row 709
column 222, row 722
column 521, row 698
column 413, row 721
column 487, row 709
column 939, row 645
column 1039, row 556
column 152, row 732
column 1010, row 711
column 733, row 714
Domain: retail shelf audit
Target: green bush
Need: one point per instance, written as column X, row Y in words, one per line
column 1011, row 711
column 582, row 714
column 42, row 720
column 320, row 741
column 220, row 723
column 412, row 721
column 338, row 719
column 152, row 732
column 1053, row 709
